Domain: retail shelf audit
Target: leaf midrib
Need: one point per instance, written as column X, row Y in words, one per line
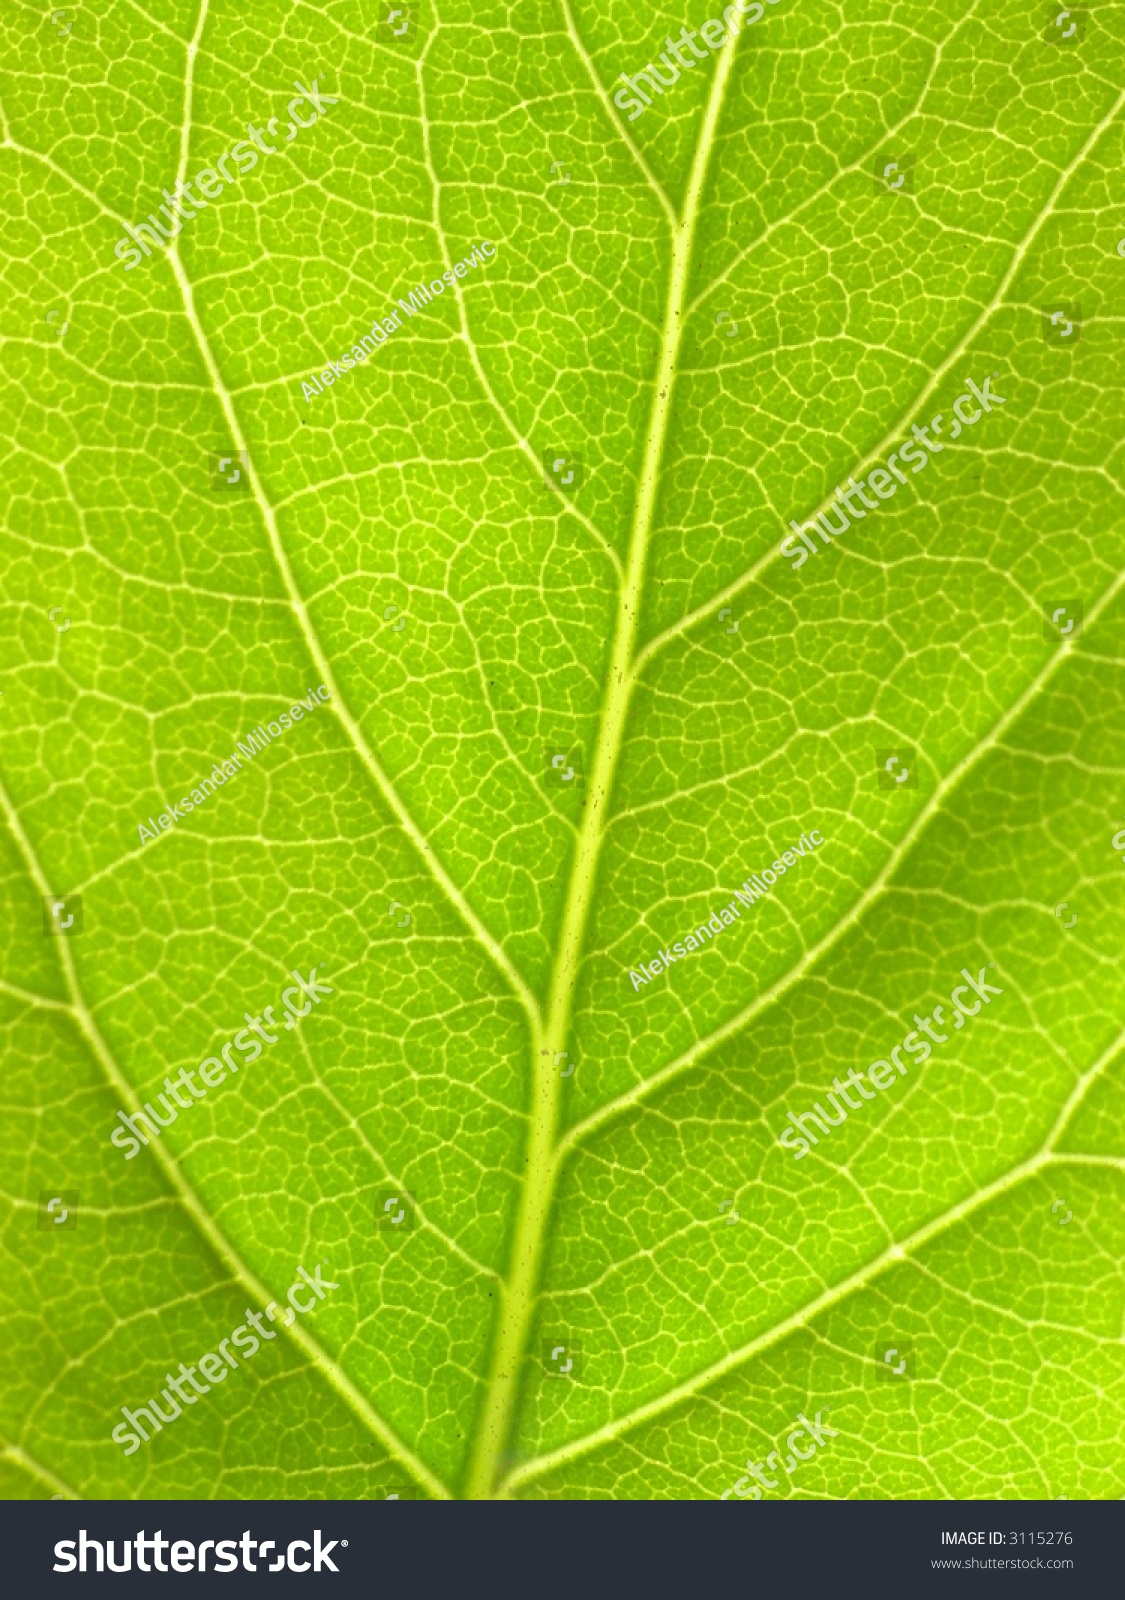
column 584, row 871
column 515, row 1315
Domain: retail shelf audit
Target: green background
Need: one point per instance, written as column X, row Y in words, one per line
column 584, row 1208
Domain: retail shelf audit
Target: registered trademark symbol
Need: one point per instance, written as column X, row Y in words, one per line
column 343, row 1541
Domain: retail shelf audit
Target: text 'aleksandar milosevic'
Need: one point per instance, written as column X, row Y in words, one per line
column 756, row 887
column 258, row 741
column 382, row 328
column 881, row 1073
column 212, row 1071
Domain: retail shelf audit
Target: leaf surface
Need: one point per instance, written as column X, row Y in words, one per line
column 712, row 315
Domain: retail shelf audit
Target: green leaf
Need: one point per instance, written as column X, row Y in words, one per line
column 610, row 1278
